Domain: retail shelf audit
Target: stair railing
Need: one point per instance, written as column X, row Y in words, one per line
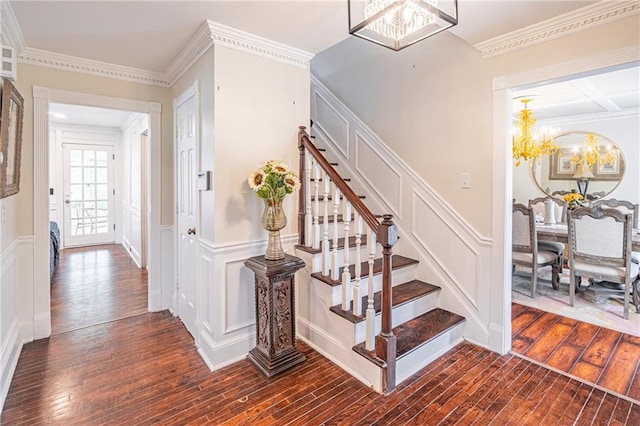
column 323, row 196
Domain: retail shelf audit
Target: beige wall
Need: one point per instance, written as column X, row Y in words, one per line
column 29, row 76
column 259, row 105
column 432, row 102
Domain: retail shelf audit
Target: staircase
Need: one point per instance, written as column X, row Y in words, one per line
column 358, row 303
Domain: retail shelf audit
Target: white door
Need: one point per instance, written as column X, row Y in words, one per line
column 88, row 195
column 187, row 205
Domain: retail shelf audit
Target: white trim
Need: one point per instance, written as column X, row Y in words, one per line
column 89, row 66
column 11, row 32
column 189, row 54
column 9, row 355
column 586, row 118
column 42, row 97
column 603, row 12
column 232, row 247
column 503, row 170
column 240, row 40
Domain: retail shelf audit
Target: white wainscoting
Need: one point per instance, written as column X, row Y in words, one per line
column 162, row 299
column 452, row 254
column 16, row 307
column 131, row 231
column 226, row 310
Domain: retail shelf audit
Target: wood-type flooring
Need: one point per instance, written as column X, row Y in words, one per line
column 598, row 355
column 96, row 284
column 146, row 370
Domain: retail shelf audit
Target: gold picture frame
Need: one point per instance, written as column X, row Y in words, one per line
column 10, row 139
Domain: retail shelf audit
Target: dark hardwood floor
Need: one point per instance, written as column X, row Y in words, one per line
column 145, row 369
column 96, row 284
column 598, row 355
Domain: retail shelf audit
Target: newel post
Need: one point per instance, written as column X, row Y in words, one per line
column 303, row 187
column 386, row 340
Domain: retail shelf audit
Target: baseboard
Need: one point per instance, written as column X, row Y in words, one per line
column 9, row 355
column 220, row 354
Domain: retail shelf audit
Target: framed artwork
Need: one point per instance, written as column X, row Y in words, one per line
column 610, row 170
column 10, row 139
column 561, row 166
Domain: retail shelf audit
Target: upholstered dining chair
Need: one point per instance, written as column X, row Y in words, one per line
column 600, row 242
column 525, row 250
column 538, row 206
column 624, row 207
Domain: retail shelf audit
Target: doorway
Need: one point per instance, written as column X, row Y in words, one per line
column 97, row 200
column 159, row 290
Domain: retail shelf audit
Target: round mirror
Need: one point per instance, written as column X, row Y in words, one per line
column 588, row 163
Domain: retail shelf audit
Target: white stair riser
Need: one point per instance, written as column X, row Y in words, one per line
column 427, row 353
column 398, row 276
column 401, row 314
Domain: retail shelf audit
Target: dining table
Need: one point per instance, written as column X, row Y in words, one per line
column 560, row 232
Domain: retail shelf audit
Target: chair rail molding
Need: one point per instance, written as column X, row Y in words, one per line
column 225, row 288
column 394, row 185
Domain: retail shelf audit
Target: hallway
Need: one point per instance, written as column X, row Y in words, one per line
column 96, row 284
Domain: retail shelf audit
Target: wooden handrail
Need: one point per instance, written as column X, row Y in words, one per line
column 304, row 142
column 386, row 235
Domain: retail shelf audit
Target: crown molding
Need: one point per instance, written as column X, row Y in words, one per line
column 88, row 66
column 586, row 118
column 11, row 33
column 255, row 45
column 587, row 17
column 195, row 48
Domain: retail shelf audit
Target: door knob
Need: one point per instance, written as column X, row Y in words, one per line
column 191, row 231
column 67, row 201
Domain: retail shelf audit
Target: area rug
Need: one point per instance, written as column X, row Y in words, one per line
column 608, row 314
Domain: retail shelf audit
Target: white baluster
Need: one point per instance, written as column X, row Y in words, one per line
column 334, row 252
column 357, row 299
column 326, row 256
column 371, row 313
column 346, row 274
column 317, row 175
column 308, row 224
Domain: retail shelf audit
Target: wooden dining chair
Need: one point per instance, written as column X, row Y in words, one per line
column 600, row 241
column 624, row 207
column 525, row 250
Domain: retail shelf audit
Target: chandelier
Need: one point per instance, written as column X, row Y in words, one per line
column 527, row 145
column 591, row 153
column 397, row 24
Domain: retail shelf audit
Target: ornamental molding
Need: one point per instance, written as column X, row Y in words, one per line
column 11, row 33
column 88, row 66
column 587, row 118
column 587, row 17
column 189, row 54
column 249, row 43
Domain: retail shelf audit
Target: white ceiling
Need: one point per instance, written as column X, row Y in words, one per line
column 150, row 34
column 87, row 116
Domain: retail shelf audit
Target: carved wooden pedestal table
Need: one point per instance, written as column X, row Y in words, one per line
column 275, row 349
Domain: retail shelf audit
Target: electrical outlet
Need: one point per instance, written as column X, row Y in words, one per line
column 465, row 180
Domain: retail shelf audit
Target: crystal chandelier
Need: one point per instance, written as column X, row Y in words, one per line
column 397, row 24
column 526, row 143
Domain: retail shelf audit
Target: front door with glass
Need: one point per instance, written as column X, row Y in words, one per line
column 88, row 195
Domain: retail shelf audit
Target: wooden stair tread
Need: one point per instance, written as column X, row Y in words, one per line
column 352, row 243
column 415, row 333
column 401, row 294
column 397, row 262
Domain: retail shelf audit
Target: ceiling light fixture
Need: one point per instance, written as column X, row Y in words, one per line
column 527, row 144
column 397, row 24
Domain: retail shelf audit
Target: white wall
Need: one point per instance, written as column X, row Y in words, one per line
column 250, row 110
column 132, row 179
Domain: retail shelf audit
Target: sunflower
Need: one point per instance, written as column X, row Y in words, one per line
column 257, row 179
column 292, row 181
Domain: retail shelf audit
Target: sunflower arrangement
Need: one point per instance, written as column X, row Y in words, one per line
column 273, row 180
